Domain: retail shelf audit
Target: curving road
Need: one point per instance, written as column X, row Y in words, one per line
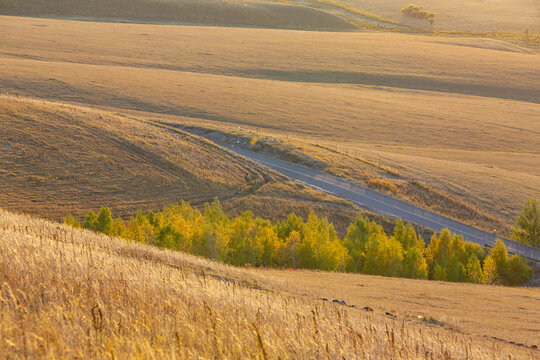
column 382, row 204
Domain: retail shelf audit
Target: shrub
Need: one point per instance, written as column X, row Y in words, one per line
column 71, row 221
column 383, row 184
column 418, row 12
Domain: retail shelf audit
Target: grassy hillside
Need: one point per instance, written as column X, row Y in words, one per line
column 210, row 12
column 70, row 293
column 457, row 114
column 57, row 159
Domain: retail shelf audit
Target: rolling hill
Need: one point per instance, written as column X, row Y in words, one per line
column 210, row 12
column 58, row 159
column 459, row 115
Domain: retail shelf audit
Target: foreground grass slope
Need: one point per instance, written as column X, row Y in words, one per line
column 57, row 159
column 70, row 293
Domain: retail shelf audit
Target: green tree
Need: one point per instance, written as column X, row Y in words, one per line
column 293, row 223
column 355, row 242
column 214, row 241
column 104, row 221
column 384, row 255
column 90, row 221
column 243, row 248
column 170, row 238
column 405, row 234
column 414, row 262
column 456, row 271
column 439, row 273
column 527, row 226
column 517, row 271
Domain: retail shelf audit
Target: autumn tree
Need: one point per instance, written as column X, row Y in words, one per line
column 313, row 244
column 474, row 270
column 489, row 271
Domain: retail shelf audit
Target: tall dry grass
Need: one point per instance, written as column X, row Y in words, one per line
column 67, row 293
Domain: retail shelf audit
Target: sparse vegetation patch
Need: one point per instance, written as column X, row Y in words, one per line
column 383, row 184
column 418, row 12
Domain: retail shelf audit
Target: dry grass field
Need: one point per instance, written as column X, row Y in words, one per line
column 57, row 159
column 68, row 293
column 460, row 115
column 464, row 15
column 249, row 13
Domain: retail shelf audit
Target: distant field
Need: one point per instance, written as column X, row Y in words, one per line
column 464, row 15
column 69, row 293
column 458, row 114
column 210, row 12
column 56, row 160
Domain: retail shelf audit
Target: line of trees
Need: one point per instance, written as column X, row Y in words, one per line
column 313, row 244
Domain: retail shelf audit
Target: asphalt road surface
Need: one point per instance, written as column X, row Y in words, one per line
column 383, row 204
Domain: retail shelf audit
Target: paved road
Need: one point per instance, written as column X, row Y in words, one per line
column 382, row 204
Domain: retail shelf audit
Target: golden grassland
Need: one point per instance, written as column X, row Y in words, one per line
column 457, row 114
column 71, row 293
column 461, row 15
column 212, row 12
column 351, row 164
column 58, row 159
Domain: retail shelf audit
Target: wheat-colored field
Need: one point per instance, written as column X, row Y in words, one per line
column 458, row 114
column 258, row 13
column 69, row 293
column 483, row 15
column 57, row 159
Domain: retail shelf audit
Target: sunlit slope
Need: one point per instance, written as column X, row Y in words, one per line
column 467, row 15
column 461, row 115
column 57, row 159
column 481, row 67
column 71, row 293
column 65, row 157
column 210, row 12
